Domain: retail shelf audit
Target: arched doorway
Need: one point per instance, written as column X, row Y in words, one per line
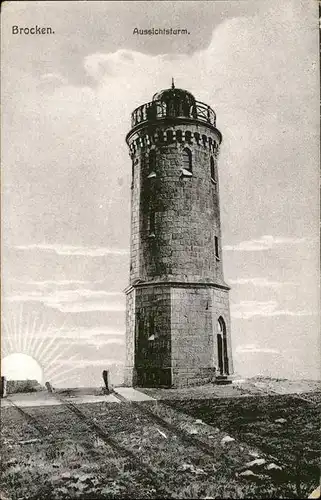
column 222, row 355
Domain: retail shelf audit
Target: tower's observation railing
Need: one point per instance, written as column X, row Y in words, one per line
column 157, row 110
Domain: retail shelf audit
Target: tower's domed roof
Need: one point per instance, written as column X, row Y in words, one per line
column 174, row 94
column 173, row 103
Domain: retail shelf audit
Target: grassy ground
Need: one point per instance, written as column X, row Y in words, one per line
column 162, row 449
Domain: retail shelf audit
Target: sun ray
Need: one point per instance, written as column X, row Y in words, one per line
column 29, row 332
column 55, row 370
column 33, row 333
column 47, row 345
column 42, row 343
column 42, row 355
column 57, row 378
column 8, row 335
column 25, row 333
column 15, row 332
column 10, row 329
column 20, row 329
column 61, row 353
column 33, row 345
column 59, row 360
column 51, row 359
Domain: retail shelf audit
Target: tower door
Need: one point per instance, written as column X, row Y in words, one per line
column 222, row 353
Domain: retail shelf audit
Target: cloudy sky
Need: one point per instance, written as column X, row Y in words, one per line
column 67, row 99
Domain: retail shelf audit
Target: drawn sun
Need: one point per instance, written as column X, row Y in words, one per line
column 32, row 350
column 20, row 366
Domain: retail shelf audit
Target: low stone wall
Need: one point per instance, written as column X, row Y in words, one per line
column 15, row 386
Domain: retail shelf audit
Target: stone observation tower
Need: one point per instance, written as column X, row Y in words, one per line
column 178, row 319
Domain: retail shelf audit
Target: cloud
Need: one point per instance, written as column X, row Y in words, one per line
column 260, row 282
column 80, row 300
column 77, row 343
column 266, row 242
column 75, row 250
column 46, row 283
column 94, row 362
column 99, row 332
column 54, row 78
column 249, row 308
column 252, row 348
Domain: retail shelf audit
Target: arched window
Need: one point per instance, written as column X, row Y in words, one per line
column 151, row 224
column 169, row 135
column 188, row 136
column 133, row 172
column 222, row 353
column 134, row 162
column 179, row 136
column 152, row 161
column 197, row 137
column 213, row 177
column 151, row 335
column 221, row 326
column 187, row 160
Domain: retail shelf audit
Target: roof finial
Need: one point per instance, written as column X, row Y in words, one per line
column 173, row 86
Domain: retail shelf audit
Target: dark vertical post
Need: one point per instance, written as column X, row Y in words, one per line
column 3, row 387
column 106, row 381
column 48, row 387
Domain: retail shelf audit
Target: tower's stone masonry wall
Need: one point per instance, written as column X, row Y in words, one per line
column 150, row 328
column 129, row 372
column 186, row 214
column 192, row 336
column 195, row 312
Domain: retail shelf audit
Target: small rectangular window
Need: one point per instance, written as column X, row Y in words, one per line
column 152, row 161
column 152, row 223
column 217, row 255
column 187, row 160
column 133, row 173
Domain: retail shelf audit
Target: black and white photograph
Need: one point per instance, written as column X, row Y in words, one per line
column 160, row 301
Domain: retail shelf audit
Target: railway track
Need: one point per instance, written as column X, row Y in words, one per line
column 149, row 471
column 135, row 461
column 187, row 439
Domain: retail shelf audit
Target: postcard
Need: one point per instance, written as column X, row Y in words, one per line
column 160, row 249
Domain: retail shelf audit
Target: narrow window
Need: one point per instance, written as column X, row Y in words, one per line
column 152, row 160
column 169, row 134
column 134, row 162
column 152, row 223
column 133, row 171
column 213, row 178
column 187, row 162
column 188, row 136
column 217, row 254
column 152, row 164
column 151, row 335
column 179, row 136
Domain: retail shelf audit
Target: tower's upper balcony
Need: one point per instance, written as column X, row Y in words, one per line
column 173, row 103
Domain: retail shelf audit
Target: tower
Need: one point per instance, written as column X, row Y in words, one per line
column 177, row 303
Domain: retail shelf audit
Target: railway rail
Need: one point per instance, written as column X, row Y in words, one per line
column 149, row 471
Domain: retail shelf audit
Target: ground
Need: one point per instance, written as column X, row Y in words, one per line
column 238, row 441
